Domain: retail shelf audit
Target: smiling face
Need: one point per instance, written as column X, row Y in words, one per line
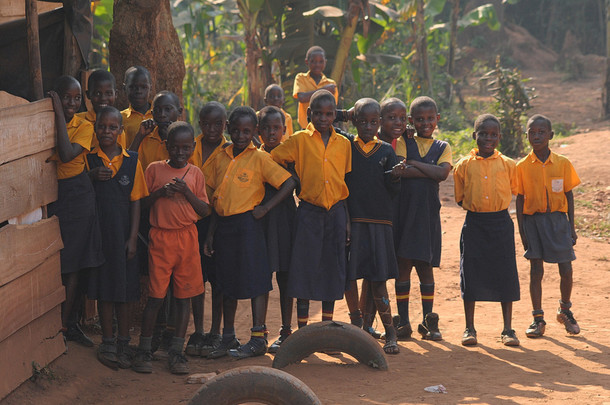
column 241, row 132
column 108, row 127
column 271, row 130
column 275, row 97
column 487, row 137
column 165, row 112
column 102, row 94
column 394, row 121
column 316, row 63
column 138, row 89
column 367, row 123
column 180, row 147
column 539, row 134
column 424, row 119
column 212, row 125
column 71, row 99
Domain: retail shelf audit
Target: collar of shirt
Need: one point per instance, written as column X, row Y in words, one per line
column 475, row 154
column 321, row 78
column 155, row 135
column 362, row 143
column 131, row 110
column 229, row 150
column 533, row 158
column 423, row 140
column 91, row 116
column 74, row 122
column 98, row 151
column 311, row 130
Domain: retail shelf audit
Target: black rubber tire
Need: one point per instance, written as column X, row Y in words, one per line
column 331, row 336
column 255, row 383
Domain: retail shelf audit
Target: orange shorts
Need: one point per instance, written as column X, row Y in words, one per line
column 174, row 254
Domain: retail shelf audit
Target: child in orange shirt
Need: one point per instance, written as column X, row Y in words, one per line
column 119, row 184
column 177, row 199
column 485, row 181
column 306, row 84
column 75, row 205
column 137, row 85
column 238, row 176
column 545, row 212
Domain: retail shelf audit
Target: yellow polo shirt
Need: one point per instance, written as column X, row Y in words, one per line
column 485, row 184
column 544, row 184
column 238, row 183
column 80, row 131
column 423, row 146
column 131, row 122
column 303, row 82
column 152, row 148
column 320, row 169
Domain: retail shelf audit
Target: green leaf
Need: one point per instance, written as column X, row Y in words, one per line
column 326, row 12
column 485, row 14
column 434, row 7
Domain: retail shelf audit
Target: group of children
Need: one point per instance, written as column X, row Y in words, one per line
column 320, row 208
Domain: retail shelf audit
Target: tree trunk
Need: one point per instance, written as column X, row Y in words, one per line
column 606, row 87
column 255, row 96
column 422, row 48
column 143, row 34
column 347, row 37
column 455, row 15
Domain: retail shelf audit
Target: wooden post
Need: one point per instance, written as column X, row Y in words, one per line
column 31, row 18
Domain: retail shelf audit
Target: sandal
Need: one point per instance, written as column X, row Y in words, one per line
column 391, row 347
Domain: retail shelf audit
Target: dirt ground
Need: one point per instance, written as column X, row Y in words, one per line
column 557, row 368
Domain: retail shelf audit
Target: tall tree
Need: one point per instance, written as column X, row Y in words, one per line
column 422, row 47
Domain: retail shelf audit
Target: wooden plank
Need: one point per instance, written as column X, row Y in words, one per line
column 26, row 129
column 24, row 247
column 37, row 342
column 8, row 100
column 27, row 183
column 30, row 296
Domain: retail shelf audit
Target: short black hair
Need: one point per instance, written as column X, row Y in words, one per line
column 63, row 82
column 321, row 95
column 366, row 103
column 481, row 119
column 137, row 70
column 243, row 111
column 539, row 117
column 179, row 126
column 273, row 86
column 171, row 95
column 98, row 76
column 109, row 110
column 422, row 102
column 391, row 102
column 270, row 110
column 211, row 106
column 315, row 49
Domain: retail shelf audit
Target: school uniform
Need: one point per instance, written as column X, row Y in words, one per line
column 173, row 248
column 131, row 122
column 418, row 228
column 488, row 267
column 152, row 149
column 239, row 242
column 75, row 205
column 288, row 122
column 545, row 206
column 303, row 83
column 278, row 226
column 91, row 117
column 318, row 262
column 208, row 264
column 118, row 279
column 370, row 204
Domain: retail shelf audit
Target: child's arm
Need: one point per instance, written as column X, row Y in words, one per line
column 134, row 223
column 165, row 191
column 570, row 198
column 417, row 169
column 146, row 127
column 65, row 149
column 208, row 246
column 179, row 186
column 305, row 96
column 284, row 191
column 519, row 203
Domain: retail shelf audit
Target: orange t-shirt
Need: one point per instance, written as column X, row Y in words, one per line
column 175, row 212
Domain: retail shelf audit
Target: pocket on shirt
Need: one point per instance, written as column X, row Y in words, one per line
column 243, row 178
column 557, row 184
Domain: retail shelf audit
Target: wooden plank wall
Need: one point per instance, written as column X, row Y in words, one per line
column 30, row 273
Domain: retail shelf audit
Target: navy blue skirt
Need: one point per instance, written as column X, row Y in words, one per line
column 242, row 267
column 208, row 264
column 318, row 263
column 372, row 252
column 488, row 265
column 78, row 224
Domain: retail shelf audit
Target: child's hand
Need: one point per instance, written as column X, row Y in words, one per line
column 146, row 127
column 259, row 211
column 101, row 173
column 131, row 247
column 167, row 190
column 409, row 131
column 208, row 249
column 179, row 186
column 399, row 169
column 56, row 101
column 330, row 87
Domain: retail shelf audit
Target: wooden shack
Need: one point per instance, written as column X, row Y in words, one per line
column 31, row 291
